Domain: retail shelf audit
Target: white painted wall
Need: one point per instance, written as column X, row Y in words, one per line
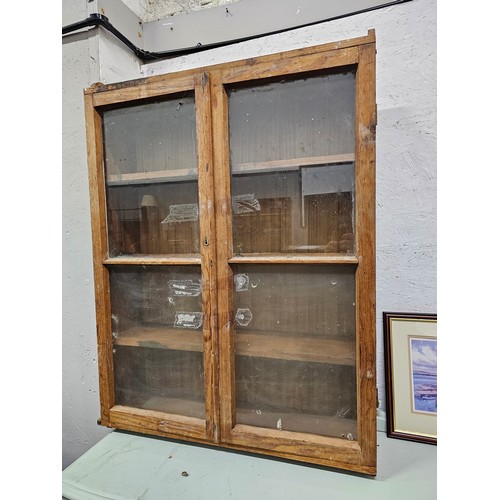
column 86, row 58
column 151, row 10
column 80, row 404
column 406, row 176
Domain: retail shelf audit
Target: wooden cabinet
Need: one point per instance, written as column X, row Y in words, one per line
column 233, row 220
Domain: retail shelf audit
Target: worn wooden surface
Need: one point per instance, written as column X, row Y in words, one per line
column 224, row 252
column 293, row 259
column 340, row 352
column 160, row 423
column 365, row 250
column 162, row 338
column 208, row 252
column 100, row 252
column 218, row 423
column 148, row 88
column 153, row 260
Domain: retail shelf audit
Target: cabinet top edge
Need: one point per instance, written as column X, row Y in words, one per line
column 368, row 39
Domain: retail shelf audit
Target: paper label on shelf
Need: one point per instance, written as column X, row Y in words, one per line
column 187, row 212
column 243, row 316
column 245, row 203
column 184, row 288
column 241, row 282
column 188, row 320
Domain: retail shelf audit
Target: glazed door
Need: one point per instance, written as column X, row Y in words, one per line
column 293, row 256
column 158, row 227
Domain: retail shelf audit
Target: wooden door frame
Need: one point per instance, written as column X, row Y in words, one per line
column 97, row 100
column 357, row 455
column 216, row 257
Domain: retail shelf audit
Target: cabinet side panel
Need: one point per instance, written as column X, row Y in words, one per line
column 365, row 245
column 100, row 252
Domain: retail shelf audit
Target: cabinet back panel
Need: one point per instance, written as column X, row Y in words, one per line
column 292, row 118
column 152, row 378
column 300, row 395
column 315, row 301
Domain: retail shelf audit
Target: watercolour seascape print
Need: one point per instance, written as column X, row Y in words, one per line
column 423, row 356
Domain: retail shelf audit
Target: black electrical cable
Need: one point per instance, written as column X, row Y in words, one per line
column 95, row 20
column 99, row 20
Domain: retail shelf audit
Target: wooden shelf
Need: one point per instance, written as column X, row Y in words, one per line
column 151, row 260
column 178, row 175
column 290, row 164
column 331, row 426
column 191, row 174
column 333, row 351
column 293, row 258
column 179, row 339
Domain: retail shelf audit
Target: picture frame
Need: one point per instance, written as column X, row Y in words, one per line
column 410, row 342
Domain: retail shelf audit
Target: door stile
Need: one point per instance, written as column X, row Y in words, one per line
column 208, row 252
column 100, row 252
column 365, row 250
column 224, row 252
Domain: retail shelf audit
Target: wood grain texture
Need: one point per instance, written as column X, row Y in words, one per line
column 155, row 422
column 297, row 443
column 294, row 258
column 147, row 89
column 365, row 248
column 162, row 338
column 291, row 65
column 224, row 251
column 100, row 252
column 153, row 260
column 208, row 251
column 334, row 351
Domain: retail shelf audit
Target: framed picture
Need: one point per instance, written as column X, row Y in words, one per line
column 411, row 376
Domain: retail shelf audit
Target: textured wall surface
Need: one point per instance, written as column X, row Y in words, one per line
column 406, row 177
column 80, row 398
column 151, row 10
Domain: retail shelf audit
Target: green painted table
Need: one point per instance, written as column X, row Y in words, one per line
column 125, row 466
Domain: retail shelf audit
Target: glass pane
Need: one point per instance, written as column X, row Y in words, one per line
column 292, row 165
column 157, row 338
column 151, row 172
column 295, row 348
